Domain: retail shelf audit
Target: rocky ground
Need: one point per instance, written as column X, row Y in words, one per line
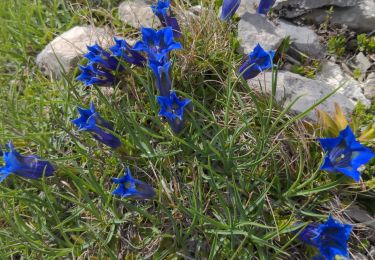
column 309, row 26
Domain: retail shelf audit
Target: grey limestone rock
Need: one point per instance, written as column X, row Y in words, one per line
column 360, row 17
column 291, row 86
column 333, row 76
column 137, row 13
column 255, row 28
column 295, row 8
column 64, row 52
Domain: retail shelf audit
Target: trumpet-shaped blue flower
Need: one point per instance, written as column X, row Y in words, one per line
column 229, row 8
column 100, row 56
column 91, row 75
column 162, row 10
column 172, row 108
column 133, row 188
column 157, row 44
column 345, row 154
column 124, row 51
column 265, row 6
column 101, row 67
column 92, row 122
column 161, row 72
column 257, row 61
column 330, row 238
column 30, row 167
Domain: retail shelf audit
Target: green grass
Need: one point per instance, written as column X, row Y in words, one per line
column 231, row 186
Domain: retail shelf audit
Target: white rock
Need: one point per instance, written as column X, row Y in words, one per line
column 255, row 28
column 361, row 62
column 333, row 76
column 359, row 256
column 294, row 8
column 308, row 91
column 360, row 17
column 304, row 38
column 64, row 52
column 247, row 6
column 196, row 10
column 369, row 86
column 138, row 13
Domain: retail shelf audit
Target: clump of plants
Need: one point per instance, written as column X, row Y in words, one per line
column 336, row 45
column 366, row 43
column 166, row 167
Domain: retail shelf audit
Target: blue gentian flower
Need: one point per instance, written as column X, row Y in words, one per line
column 91, row 75
column 229, row 8
column 92, row 122
column 257, row 61
column 101, row 67
column 129, row 187
column 330, row 238
column 345, row 154
column 172, row 108
column 124, row 51
column 100, row 56
column 161, row 72
column 265, row 6
column 162, row 10
column 30, row 167
column 157, row 44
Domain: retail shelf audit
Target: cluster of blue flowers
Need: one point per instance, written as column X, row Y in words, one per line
column 343, row 153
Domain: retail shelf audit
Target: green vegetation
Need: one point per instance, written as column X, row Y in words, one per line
column 231, row 186
column 336, row 45
column 309, row 69
column 366, row 43
column 357, row 73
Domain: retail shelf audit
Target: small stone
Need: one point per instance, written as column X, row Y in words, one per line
column 196, row 10
column 362, row 63
column 360, row 17
column 254, row 29
column 372, row 251
column 304, row 38
column 64, row 52
column 138, row 13
column 247, row 6
column 369, row 86
column 360, row 216
column 359, row 256
column 308, row 91
column 333, row 76
column 295, row 8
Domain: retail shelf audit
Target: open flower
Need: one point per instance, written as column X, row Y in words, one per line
column 330, row 238
column 92, row 122
column 101, row 67
column 124, row 51
column 229, row 8
column 257, row 61
column 162, row 10
column 265, row 6
column 157, row 44
column 30, row 167
column 345, row 154
column 161, row 72
column 172, row 108
column 129, row 187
